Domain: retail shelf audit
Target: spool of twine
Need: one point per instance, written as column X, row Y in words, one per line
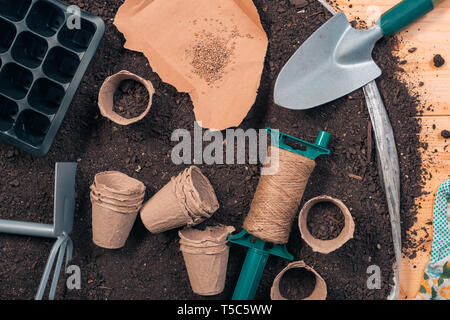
column 278, row 197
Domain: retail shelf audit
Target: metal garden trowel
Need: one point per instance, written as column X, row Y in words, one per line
column 337, row 59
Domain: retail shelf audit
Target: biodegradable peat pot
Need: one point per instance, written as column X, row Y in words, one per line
column 111, row 225
column 319, row 292
column 326, row 246
column 119, row 197
column 200, row 198
column 187, row 200
column 206, row 254
column 132, row 202
column 115, row 183
column 164, row 211
column 106, row 97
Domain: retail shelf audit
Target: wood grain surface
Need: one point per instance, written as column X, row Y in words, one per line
column 430, row 35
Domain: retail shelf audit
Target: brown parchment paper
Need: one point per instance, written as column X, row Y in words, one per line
column 168, row 31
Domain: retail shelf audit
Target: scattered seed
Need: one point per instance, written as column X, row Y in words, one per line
column 210, row 56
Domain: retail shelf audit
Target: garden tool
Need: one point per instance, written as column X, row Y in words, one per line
column 259, row 246
column 338, row 58
column 64, row 206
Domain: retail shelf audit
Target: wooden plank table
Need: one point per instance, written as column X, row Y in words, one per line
column 430, row 35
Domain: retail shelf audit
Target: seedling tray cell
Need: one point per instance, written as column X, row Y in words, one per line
column 42, row 61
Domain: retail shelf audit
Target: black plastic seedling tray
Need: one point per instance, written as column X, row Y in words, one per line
column 42, row 62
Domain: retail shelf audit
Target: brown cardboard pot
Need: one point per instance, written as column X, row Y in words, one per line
column 326, row 246
column 110, row 228
column 137, row 201
column 106, row 96
column 200, row 199
column 211, row 236
column 119, row 197
column 119, row 207
column 187, row 200
column 164, row 211
column 206, row 255
column 319, row 292
column 112, row 183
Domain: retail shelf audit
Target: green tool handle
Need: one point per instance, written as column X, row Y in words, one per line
column 404, row 14
column 251, row 273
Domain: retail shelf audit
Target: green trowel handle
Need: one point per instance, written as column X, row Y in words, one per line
column 251, row 273
column 255, row 262
column 404, row 14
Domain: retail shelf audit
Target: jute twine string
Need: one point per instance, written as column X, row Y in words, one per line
column 278, row 197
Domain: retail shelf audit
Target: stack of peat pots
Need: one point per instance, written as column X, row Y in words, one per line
column 116, row 200
column 187, row 200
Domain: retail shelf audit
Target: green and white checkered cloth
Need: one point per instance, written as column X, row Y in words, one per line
column 435, row 284
column 441, row 221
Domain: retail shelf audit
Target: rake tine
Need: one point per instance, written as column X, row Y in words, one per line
column 48, row 268
column 69, row 250
column 62, row 252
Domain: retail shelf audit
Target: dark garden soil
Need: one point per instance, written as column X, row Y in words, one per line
column 131, row 99
column 445, row 134
column 297, row 284
column 438, row 61
column 325, row 221
column 151, row 266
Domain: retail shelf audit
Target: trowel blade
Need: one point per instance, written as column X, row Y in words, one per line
column 334, row 61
